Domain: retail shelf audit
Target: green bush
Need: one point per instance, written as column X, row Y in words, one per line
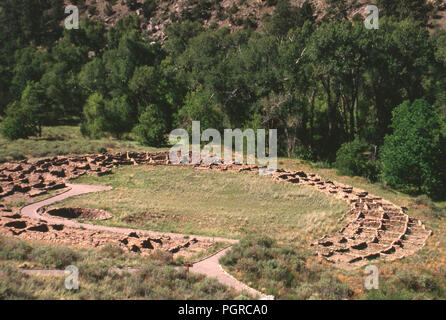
column 95, row 123
column 11, row 249
column 411, row 155
column 155, row 280
column 352, row 160
column 305, row 153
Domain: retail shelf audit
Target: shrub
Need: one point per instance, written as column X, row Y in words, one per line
column 352, row 160
column 54, row 257
column 305, row 153
column 282, row 270
column 164, row 257
column 111, row 251
column 119, row 116
column 411, row 155
column 410, row 286
column 11, row 249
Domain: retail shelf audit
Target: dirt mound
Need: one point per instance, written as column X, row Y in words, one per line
column 80, row 213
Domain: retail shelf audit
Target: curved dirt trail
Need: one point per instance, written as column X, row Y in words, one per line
column 212, row 268
column 209, row 266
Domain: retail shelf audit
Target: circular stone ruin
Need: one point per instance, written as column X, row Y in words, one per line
column 79, row 213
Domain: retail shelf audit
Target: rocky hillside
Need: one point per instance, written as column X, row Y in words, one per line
column 156, row 15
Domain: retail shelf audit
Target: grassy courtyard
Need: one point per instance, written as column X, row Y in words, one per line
column 184, row 200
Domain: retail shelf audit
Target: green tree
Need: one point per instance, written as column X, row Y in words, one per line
column 120, row 116
column 438, row 83
column 411, row 155
column 35, row 102
column 286, row 17
column 95, row 118
column 29, row 65
column 397, row 69
column 201, row 106
column 93, row 77
column 91, row 35
column 103, row 117
column 338, row 53
column 18, row 123
column 29, row 114
column 122, row 26
column 31, row 21
column 179, row 35
column 148, row 86
column 151, row 128
column 420, row 10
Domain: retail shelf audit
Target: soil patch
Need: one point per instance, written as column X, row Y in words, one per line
column 79, row 213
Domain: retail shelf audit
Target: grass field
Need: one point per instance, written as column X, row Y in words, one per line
column 62, row 140
column 155, row 279
column 184, row 200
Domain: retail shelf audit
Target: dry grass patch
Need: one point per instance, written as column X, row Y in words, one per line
column 183, row 200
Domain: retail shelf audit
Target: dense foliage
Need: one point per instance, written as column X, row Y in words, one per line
column 355, row 159
column 412, row 155
column 321, row 82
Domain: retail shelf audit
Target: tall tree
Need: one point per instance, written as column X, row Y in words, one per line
column 411, row 154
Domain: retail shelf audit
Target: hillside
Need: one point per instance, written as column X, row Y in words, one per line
column 156, row 15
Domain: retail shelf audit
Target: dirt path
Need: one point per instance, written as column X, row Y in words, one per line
column 212, row 268
column 209, row 266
